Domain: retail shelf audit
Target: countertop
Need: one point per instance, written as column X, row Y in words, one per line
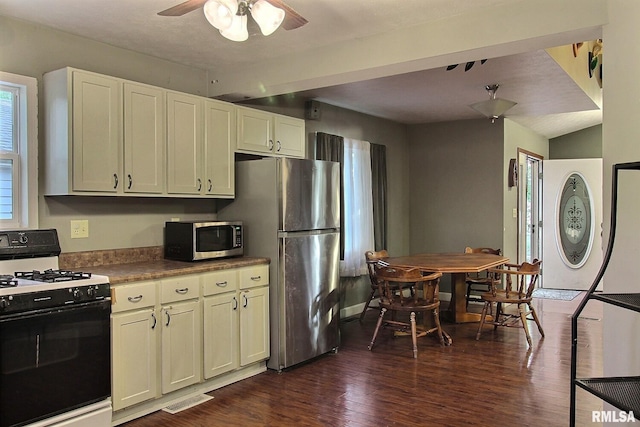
column 158, row 269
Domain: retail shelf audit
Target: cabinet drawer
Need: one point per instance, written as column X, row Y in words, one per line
column 134, row 296
column 251, row 277
column 218, row 282
column 179, row 289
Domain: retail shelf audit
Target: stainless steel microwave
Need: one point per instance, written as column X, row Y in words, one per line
column 200, row 240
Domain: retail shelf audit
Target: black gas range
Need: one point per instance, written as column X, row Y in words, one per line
column 54, row 336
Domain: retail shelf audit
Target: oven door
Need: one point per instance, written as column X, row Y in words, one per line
column 53, row 361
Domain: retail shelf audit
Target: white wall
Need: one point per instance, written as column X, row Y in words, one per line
column 621, row 136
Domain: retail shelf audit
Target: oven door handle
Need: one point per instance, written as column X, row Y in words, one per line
column 104, row 304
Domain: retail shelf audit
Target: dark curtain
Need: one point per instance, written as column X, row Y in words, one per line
column 379, row 188
column 331, row 147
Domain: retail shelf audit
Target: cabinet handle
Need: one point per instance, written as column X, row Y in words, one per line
column 155, row 321
column 279, row 146
column 222, row 284
column 235, row 303
column 270, row 144
column 246, row 301
column 182, row 291
column 135, row 299
column 199, row 184
column 130, row 181
column 168, row 317
column 256, row 278
column 115, row 179
column 210, row 185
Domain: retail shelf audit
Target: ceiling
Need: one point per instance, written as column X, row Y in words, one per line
column 549, row 102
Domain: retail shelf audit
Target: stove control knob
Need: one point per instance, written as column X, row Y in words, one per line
column 4, row 303
column 23, row 239
column 91, row 292
column 77, row 294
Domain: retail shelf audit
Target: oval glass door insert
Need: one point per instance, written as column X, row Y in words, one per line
column 575, row 221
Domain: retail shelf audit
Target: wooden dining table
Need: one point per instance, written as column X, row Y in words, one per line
column 458, row 264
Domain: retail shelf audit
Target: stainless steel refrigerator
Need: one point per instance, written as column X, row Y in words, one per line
column 290, row 210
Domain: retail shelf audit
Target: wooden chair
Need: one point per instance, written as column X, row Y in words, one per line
column 520, row 282
column 480, row 282
column 372, row 258
column 391, row 282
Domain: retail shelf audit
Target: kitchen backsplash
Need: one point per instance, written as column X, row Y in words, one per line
column 76, row 260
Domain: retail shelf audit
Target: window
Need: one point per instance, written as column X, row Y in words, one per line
column 18, row 151
column 363, row 215
column 358, row 207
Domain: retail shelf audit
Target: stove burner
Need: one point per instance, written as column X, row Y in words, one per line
column 7, row 281
column 51, row 276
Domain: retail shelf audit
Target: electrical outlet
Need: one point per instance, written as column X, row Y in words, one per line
column 80, row 229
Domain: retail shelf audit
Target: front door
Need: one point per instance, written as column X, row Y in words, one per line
column 572, row 218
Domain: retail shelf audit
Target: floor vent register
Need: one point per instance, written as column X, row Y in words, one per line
column 187, row 403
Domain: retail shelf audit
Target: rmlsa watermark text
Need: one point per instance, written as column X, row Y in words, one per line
column 612, row 417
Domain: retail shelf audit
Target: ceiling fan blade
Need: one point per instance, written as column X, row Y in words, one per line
column 183, row 8
column 292, row 19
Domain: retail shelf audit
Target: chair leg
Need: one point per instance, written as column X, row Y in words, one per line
column 375, row 332
column 523, row 318
column 535, row 317
column 366, row 306
column 498, row 314
column 414, row 338
column 467, row 297
column 482, row 319
column 436, row 320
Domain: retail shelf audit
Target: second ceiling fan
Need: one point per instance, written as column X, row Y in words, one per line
column 230, row 16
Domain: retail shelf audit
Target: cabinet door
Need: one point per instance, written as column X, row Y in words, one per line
column 181, row 345
column 184, row 143
column 220, row 137
column 134, row 357
column 254, row 131
column 221, row 341
column 290, row 136
column 144, row 141
column 96, row 133
column 254, row 325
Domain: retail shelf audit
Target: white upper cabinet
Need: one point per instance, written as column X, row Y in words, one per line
column 261, row 132
column 83, row 129
column 144, row 139
column 219, row 143
column 290, row 136
column 184, row 143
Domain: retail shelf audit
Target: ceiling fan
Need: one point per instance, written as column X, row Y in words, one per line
column 291, row 21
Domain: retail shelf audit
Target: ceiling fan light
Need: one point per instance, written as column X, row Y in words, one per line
column 237, row 32
column 220, row 13
column 267, row 16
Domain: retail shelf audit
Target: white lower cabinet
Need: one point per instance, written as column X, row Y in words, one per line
column 181, row 332
column 254, row 325
column 134, row 353
column 186, row 330
column 181, row 348
column 236, row 319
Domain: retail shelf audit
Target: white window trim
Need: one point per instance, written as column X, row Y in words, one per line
column 27, row 206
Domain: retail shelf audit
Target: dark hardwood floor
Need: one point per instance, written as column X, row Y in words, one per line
column 492, row 382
